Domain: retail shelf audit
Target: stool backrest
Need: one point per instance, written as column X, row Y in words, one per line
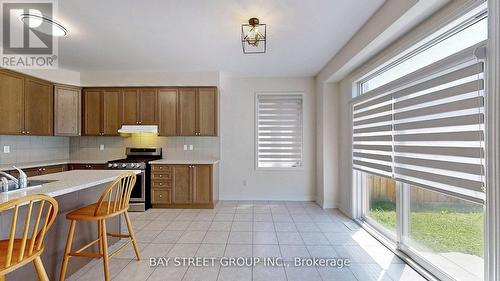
column 44, row 216
column 116, row 196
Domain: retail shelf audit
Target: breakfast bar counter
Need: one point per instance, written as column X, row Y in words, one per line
column 72, row 190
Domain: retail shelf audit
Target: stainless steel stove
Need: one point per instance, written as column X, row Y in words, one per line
column 138, row 159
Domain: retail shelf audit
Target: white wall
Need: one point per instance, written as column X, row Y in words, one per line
column 113, row 78
column 237, row 118
column 62, row 76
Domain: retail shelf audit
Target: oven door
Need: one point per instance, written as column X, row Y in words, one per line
column 138, row 194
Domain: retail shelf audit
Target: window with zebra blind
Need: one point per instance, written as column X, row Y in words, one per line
column 428, row 132
column 279, row 130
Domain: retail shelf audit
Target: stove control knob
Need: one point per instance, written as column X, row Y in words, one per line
column 124, row 165
column 137, row 165
column 115, row 165
column 110, row 165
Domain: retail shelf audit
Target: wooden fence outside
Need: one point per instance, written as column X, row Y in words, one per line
column 384, row 189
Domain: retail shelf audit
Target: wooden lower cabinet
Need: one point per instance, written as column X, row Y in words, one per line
column 182, row 186
column 162, row 196
column 203, row 181
column 39, row 171
column 86, row 167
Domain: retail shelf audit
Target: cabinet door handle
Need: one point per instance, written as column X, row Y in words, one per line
column 23, row 132
column 28, row 132
column 161, row 196
column 161, row 184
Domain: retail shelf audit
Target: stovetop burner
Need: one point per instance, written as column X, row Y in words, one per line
column 137, row 158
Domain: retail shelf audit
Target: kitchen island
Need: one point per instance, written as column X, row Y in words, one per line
column 72, row 190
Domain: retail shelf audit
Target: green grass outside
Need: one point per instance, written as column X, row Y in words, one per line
column 439, row 230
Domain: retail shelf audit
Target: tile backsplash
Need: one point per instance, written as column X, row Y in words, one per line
column 33, row 148
column 88, row 148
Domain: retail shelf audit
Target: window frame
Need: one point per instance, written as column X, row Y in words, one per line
column 256, row 131
column 428, row 41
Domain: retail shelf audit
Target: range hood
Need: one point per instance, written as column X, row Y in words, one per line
column 138, row 129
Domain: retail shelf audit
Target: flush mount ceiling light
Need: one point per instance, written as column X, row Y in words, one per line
column 43, row 24
column 253, row 37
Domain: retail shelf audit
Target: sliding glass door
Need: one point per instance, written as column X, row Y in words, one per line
column 445, row 233
column 419, row 153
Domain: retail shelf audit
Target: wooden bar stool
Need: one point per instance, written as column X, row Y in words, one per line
column 113, row 202
column 17, row 252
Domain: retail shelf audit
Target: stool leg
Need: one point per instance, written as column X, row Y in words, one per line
column 132, row 236
column 40, row 270
column 105, row 257
column 99, row 232
column 67, row 250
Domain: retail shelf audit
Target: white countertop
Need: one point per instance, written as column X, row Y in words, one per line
column 66, row 182
column 27, row 165
column 185, row 161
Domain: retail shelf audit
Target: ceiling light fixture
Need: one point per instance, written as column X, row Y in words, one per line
column 253, row 37
column 37, row 20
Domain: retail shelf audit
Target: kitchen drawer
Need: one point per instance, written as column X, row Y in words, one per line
column 161, row 168
column 161, row 196
column 162, row 184
column 161, row 176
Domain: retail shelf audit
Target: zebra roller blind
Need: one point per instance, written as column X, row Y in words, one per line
column 279, row 130
column 428, row 131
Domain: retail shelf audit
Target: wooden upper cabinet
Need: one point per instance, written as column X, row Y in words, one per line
column 187, row 112
column 130, row 109
column 28, row 105
column 207, row 112
column 148, row 106
column 92, row 112
column 167, row 112
column 111, row 119
column 202, row 184
column 12, row 99
column 67, row 110
column 198, row 111
column 101, row 112
column 139, row 106
column 38, row 107
column 182, row 187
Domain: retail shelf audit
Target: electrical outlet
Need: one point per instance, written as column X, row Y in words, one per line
column 185, row 147
column 6, row 149
column 245, row 182
column 101, row 147
column 190, row 147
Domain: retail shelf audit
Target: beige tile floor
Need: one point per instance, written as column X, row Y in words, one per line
column 251, row 229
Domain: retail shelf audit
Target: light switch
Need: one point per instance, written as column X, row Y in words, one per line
column 185, row 147
column 101, row 147
column 6, row 149
column 190, row 147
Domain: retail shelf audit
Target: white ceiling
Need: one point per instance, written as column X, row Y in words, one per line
column 204, row 35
